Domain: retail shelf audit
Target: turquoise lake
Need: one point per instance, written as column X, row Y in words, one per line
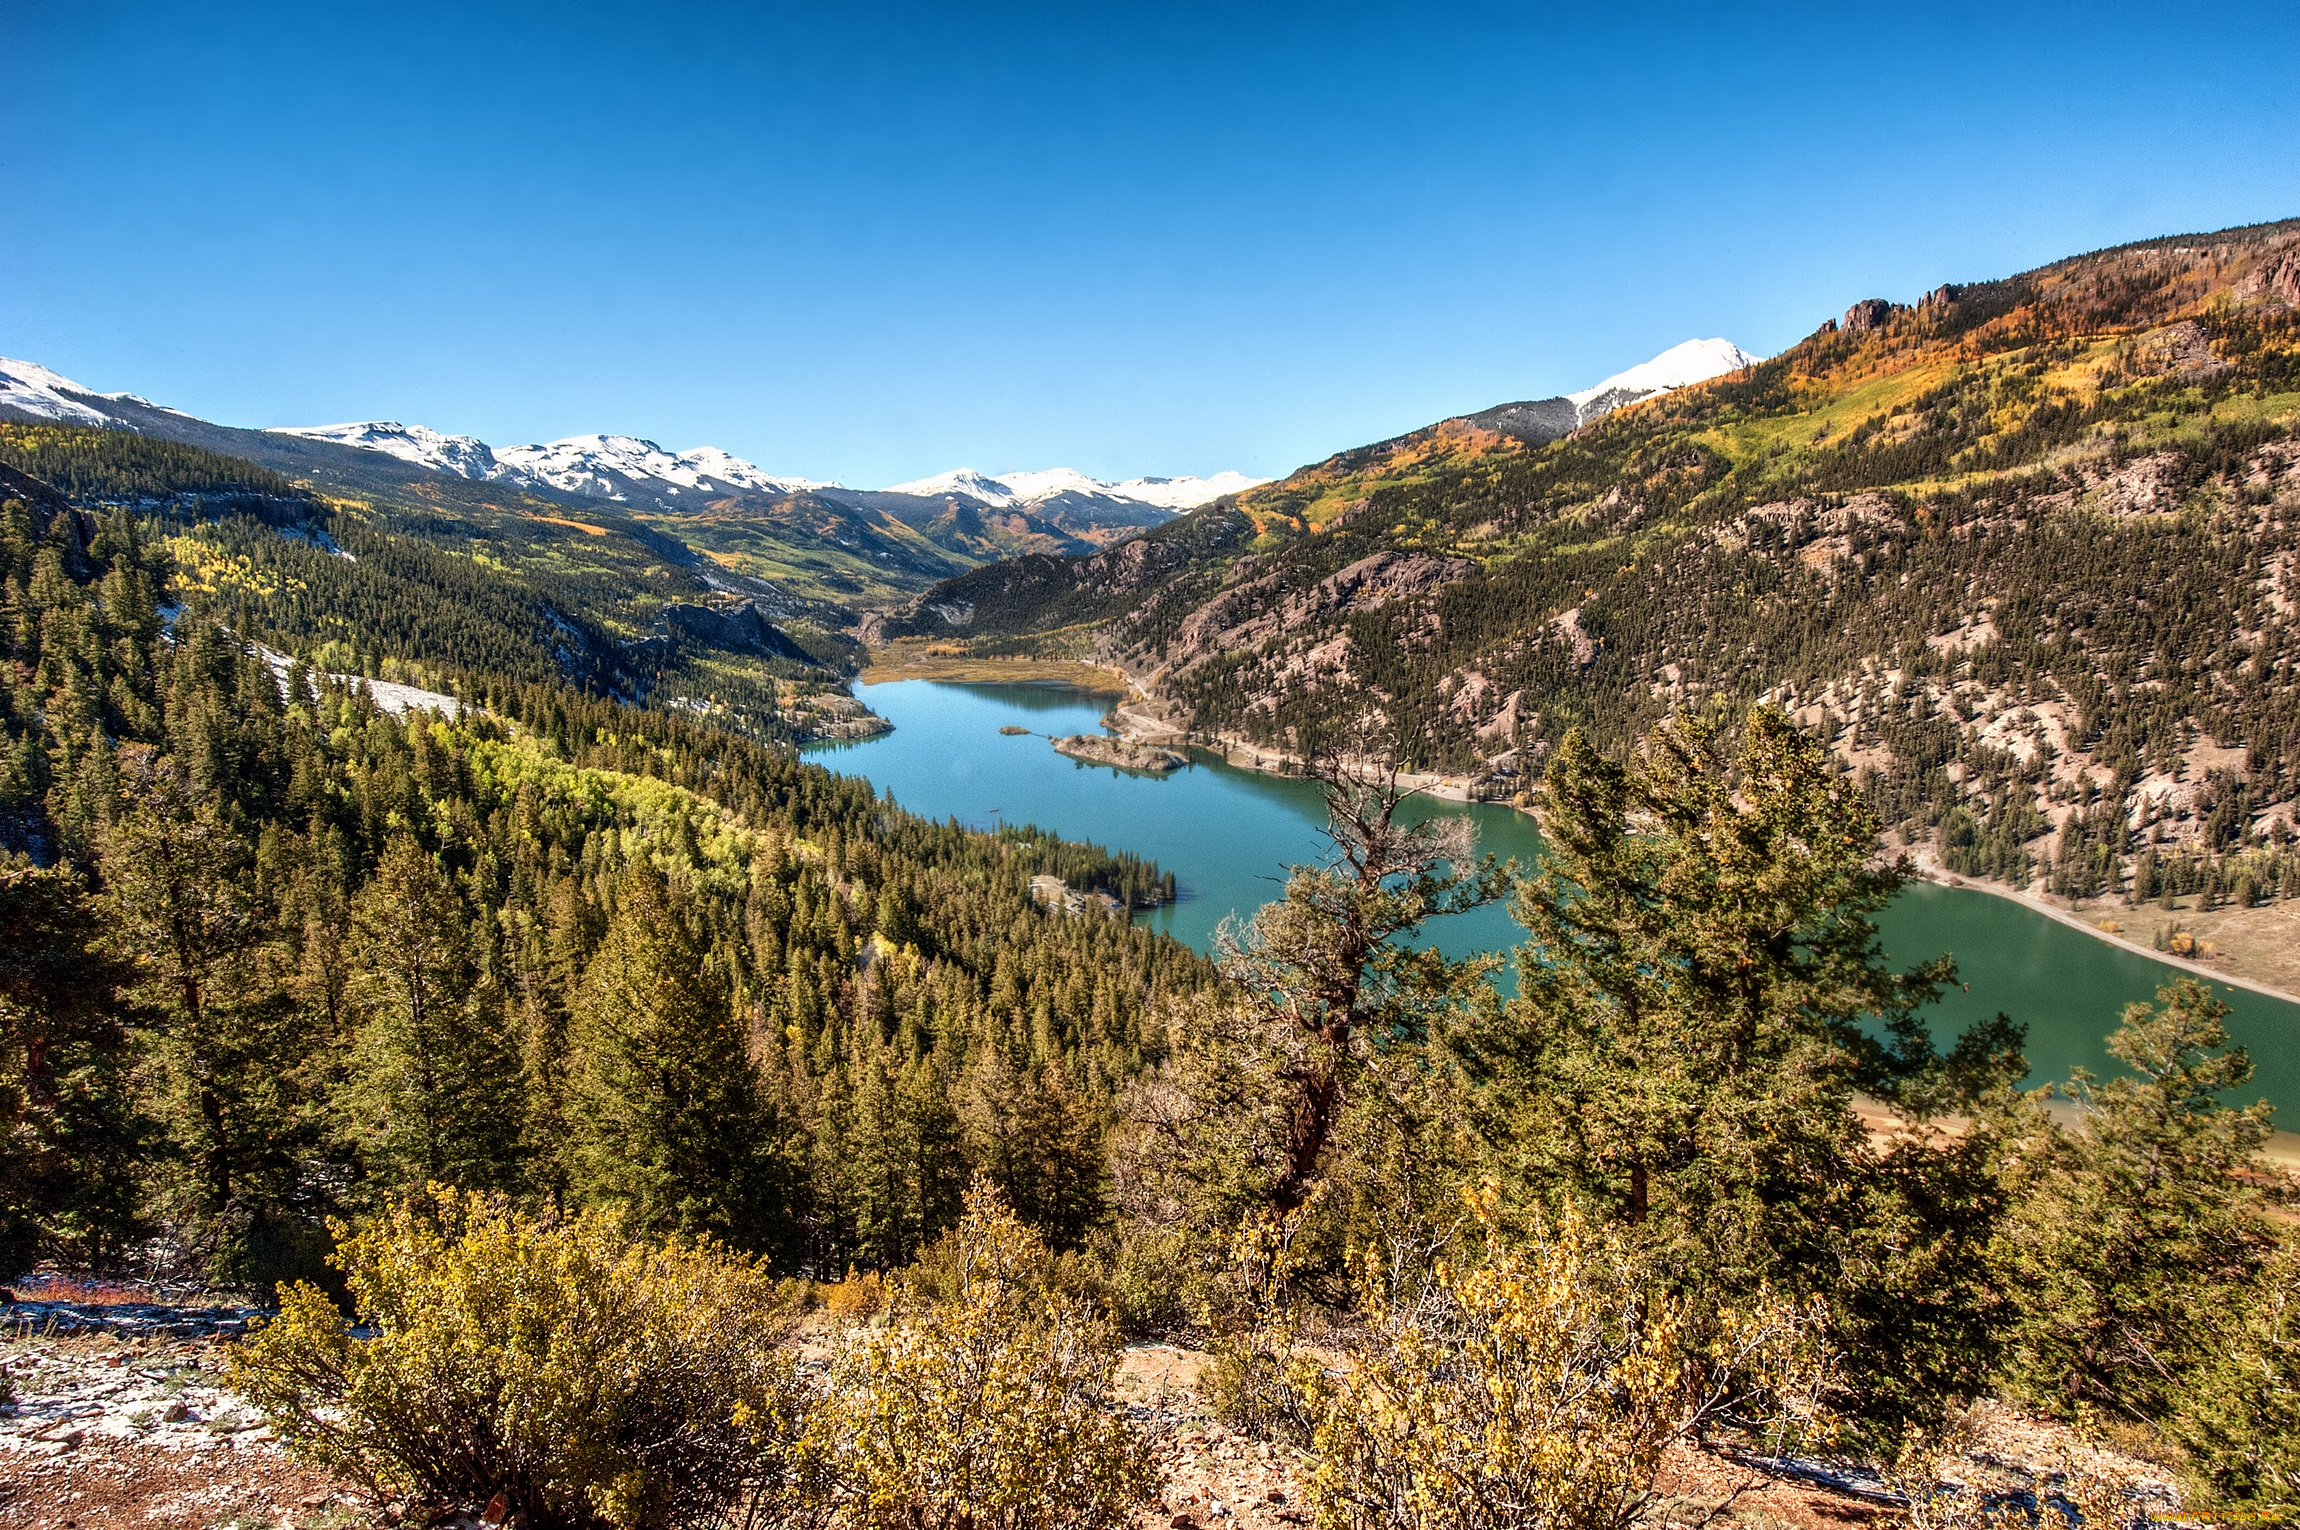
column 1228, row 836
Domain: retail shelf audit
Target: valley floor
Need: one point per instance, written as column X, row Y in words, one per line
column 914, row 661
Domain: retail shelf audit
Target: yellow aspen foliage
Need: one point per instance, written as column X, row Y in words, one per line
column 989, row 1410
column 590, row 1380
column 1541, row 1387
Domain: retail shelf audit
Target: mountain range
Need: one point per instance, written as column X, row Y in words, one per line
column 800, row 538
column 2025, row 551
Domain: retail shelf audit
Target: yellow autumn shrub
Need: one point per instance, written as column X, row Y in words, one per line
column 1539, row 1389
column 989, row 1409
column 1256, row 1380
column 589, row 1379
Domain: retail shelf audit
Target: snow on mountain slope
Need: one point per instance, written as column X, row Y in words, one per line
column 976, row 486
column 463, row 456
column 1185, row 493
column 597, row 466
column 30, row 390
column 1009, row 490
column 613, row 467
column 1677, row 367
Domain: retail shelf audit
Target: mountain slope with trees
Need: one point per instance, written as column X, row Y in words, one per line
column 2027, row 552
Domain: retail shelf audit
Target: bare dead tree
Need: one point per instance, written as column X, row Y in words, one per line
column 1326, row 970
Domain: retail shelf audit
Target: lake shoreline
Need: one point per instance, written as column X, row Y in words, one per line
column 1229, row 832
column 1933, row 872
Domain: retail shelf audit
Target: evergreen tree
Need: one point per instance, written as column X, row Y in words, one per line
column 668, row 1117
column 433, row 1094
column 70, row 1130
column 1703, row 998
column 226, row 1044
column 2133, row 1232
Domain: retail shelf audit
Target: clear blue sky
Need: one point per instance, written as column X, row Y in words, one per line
column 868, row 243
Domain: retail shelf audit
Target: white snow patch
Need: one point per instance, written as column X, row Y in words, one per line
column 29, row 388
column 1677, row 367
column 607, row 467
column 462, row 456
column 1025, row 487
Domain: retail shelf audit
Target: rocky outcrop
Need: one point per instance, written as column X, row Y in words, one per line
column 1246, row 615
column 1095, row 749
column 739, row 628
column 2277, row 279
column 1866, row 315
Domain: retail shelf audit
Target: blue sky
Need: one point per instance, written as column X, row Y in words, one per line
column 868, row 243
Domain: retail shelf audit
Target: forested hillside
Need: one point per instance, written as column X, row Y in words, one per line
column 404, row 588
column 274, row 955
column 2027, row 552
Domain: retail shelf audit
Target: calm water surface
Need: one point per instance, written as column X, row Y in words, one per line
column 1228, row 835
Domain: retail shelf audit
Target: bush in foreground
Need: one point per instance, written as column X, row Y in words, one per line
column 589, row 1380
column 988, row 1410
column 1541, row 1387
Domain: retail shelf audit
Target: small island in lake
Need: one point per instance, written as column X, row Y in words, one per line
column 1098, row 750
column 1011, row 729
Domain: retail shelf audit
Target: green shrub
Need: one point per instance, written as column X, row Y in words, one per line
column 1541, row 1387
column 2239, row 1417
column 989, row 1410
column 592, row 1381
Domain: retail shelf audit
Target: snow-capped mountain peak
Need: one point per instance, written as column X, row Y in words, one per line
column 30, row 390
column 1677, row 367
column 594, row 466
column 967, row 481
column 463, row 456
column 1185, row 493
column 1008, row 490
column 614, row 467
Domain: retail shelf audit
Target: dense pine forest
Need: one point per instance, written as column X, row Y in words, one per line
column 286, row 955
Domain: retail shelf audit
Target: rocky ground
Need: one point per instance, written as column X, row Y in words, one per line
column 120, row 1426
column 137, row 1430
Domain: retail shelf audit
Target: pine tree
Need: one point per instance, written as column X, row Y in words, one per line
column 668, row 1117
column 70, row 1131
column 433, row 1094
column 228, row 1046
column 1703, row 996
column 2133, row 1232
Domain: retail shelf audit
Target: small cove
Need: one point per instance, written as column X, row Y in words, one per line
column 1228, row 835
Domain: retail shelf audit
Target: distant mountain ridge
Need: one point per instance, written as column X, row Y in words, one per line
column 1008, row 490
column 817, row 541
column 638, row 472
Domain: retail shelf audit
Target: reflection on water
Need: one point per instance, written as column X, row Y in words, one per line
column 1228, row 835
